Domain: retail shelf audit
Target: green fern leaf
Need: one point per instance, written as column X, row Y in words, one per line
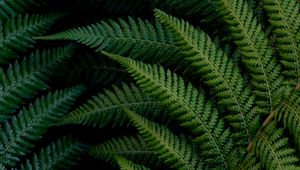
column 17, row 32
column 186, row 104
column 285, row 18
column 219, row 72
column 248, row 35
column 174, row 151
column 289, row 113
column 23, row 80
column 128, row 165
column 13, row 8
column 273, row 149
column 30, row 123
column 130, row 147
column 61, row 154
column 250, row 162
column 102, row 110
column 135, row 38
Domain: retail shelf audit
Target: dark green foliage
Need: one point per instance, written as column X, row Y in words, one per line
column 61, row 154
column 30, row 123
column 285, row 18
column 129, row 147
column 128, row 165
column 186, row 104
column 102, row 110
column 13, row 8
column 218, row 72
column 136, row 38
column 273, row 150
column 176, row 152
column 23, row 80
column 206, row 84
column 16, row 34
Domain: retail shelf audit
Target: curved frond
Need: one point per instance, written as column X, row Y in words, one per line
column 186, row 104
column 23, row 80
column 129, row 147
column 30, row 123
column 16, row 34
column 61, row 154
column 218, row 71
column 289, row 113
column 138, row 39
column 125, row 164
column 11, row 8
column 174, row 151
column 248, row 35
column 285, row 18
column 273, row 149
column 102, row 109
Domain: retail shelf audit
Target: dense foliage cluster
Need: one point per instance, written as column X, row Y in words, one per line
column 150, row 84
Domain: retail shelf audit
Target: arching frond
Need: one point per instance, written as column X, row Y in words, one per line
column 102, row 110
column 248, row 35
column 273, row 149
column 30, row 123
column 289, row 114
column 218, row 71
column 16, row 34
column 23, row 80
column 186, row 104
column 125, row 164
column 129, row 147
column 61, row 154
column 174, row 151
column 138, row 39
column 285, row 18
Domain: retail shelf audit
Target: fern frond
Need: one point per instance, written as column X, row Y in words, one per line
column 130, row 147
column 102, row 109
column 125, row 164
column 248, row 35
column 289, row 114
column 17, row 32
column 250, row 162
column 186, row 104
column 218, row 71
column 273, row 149
column 285, row 18
column 23, row 80
column 30, row 123
column 13, row 8
column 61, row 154
column 135, row 38
column 174, row 151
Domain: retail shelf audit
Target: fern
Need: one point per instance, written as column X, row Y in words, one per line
column 135, row 38
column 128, row 165
column 289, row 113
column 185, row 104
column 285, row 18
column 257, row 54
column 129, row 147
column 30, row 123
column 273, row 150
column 61, row 154
column 17, row 32
column 218, row 71
column 102, row 110
column 13, row 8
column 176, row 152
column 23, row 80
